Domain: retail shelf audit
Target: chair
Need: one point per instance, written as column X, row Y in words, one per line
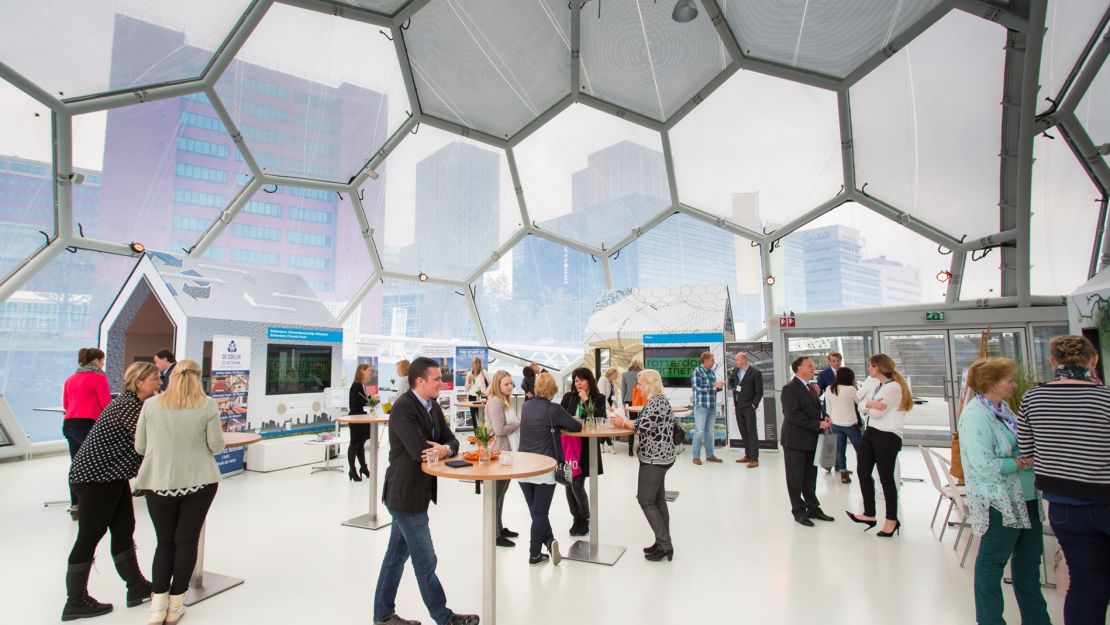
column 961, row 508
column 948, row 491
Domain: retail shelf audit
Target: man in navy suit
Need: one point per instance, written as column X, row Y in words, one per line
column 802, row 423
column 827, row 377
column 416, row 427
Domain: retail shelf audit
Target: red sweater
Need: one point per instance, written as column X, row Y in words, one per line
column 85, row 395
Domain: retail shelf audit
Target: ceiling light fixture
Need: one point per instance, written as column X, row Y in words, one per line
column 769, row 280
column 423, row 277
column 684, row 11
column 1104, row 149
column 944, row 275
column 137, row 248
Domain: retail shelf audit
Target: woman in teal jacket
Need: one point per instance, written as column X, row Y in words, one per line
column 1001, row 499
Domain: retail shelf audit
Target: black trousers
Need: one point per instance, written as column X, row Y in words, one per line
column 360, row 433
column 878, row 448
column 75, row 431
column 745, row 422
column 103, row 506
column 578, row 501
column 538, row 497
column 651, row 492
column 801, row 481
column 502, row 489
column 177, row 524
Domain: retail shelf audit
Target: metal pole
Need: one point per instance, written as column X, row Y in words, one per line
column 489, row 559
column 372, row 511
column 595, row 541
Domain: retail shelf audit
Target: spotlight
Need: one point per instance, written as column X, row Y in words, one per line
column 77, row 177
column 137, row 248
column 372, row 174
column 1104, row 149
column 423, row 277
column 944, row 276
column 769, row 280
column 684, row 11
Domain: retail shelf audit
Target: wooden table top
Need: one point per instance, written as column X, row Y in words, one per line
column 470, row 404
column 601, row 432
column 524, row 465
column 363, row 419
column 239, row 439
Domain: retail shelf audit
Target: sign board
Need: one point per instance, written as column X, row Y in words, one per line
column 674, row 339
column 788, row 322
column 304, row 334
column 934, row 315
column 230, row 387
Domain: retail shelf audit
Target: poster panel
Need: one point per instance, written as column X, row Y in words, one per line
column 230, row 387
column 759, row 356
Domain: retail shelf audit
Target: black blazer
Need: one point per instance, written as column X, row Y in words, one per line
column 570, row 404
column 407, row 487
column 750, row 391
column 356, row 402
column 801, row 416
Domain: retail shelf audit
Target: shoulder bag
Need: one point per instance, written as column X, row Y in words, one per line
column 564, row 473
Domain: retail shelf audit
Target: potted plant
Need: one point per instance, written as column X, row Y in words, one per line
column 1025, row 380
column 372, row 402
column 482, row 436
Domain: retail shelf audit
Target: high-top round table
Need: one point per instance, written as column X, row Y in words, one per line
column 592, row 550
column 203, row 583
column 524, row 465
column 371, row 520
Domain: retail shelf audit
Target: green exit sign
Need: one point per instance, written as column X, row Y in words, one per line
column 934, row 316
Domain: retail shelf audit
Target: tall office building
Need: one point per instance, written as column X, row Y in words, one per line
column 171, row 166
column 458, row 190
column 899, row 284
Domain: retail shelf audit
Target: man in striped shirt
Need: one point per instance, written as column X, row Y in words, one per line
column 704, row 383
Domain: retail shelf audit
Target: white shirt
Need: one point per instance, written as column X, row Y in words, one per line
column 841, row 405
column 889, row 420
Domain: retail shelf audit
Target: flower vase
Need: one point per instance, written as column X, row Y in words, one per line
column 483, row 453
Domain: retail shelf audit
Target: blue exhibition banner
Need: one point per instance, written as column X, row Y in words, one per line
column 231, row 460
column 464, row 360
column 693, row 337
column 303, row 334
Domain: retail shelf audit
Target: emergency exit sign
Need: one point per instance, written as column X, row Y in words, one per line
column 934, row 316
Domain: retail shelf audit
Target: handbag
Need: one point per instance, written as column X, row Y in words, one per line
column 678, row 435
column 564, row 472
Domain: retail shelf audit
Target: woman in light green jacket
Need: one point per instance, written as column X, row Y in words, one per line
column 1001, row 499
column 177, row 433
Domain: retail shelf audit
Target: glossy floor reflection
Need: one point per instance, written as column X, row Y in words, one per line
column 739, row 557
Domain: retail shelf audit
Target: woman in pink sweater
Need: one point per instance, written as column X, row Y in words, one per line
column 84, row 396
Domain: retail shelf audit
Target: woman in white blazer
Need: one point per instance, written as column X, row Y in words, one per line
column 177, row 433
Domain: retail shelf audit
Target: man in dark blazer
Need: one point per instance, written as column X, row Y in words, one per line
column 416, row 428
column 827, row 377
column 746, row 383
column 802, row 423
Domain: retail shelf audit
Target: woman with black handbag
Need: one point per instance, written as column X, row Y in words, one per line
column 540, row 422
column 655, row 448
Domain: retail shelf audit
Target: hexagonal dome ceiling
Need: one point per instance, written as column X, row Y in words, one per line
column 480, row 170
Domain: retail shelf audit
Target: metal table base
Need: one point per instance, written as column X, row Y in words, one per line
column 372, row 520
column 592, row 550
column 204, row 584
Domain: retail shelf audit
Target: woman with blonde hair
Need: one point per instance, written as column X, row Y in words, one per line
column 177, row 433
column 656, row 451
column 403, row 374
column 884, row 405
column 101, row 469
column 1064, row 429
column 504, row 422
column 477, row 386
column 1001, row 498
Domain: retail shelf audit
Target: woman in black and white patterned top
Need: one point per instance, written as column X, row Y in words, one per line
column 656, row 451
column 99, row 475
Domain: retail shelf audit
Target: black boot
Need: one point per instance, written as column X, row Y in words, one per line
column 138, row 588
column 78, row 603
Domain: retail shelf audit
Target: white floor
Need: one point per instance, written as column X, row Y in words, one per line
column 739, row 556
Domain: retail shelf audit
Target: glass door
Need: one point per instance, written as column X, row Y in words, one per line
column 966, row 347
column 923, row 359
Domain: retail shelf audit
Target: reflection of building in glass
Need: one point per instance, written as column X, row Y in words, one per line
column 287, row 122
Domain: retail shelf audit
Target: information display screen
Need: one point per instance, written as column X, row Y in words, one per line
column 297, row 368
column 674, row 364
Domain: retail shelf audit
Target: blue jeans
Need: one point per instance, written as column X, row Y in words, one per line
column 705, row 419
column 843, row 435
column 409, row 536
column 1084, row 535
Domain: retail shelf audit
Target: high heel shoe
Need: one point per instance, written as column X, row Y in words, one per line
column 354, row 476
column 896, row 530
column 870, row 524
column 364, row 472
column 654, row 547
column 659, row 554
